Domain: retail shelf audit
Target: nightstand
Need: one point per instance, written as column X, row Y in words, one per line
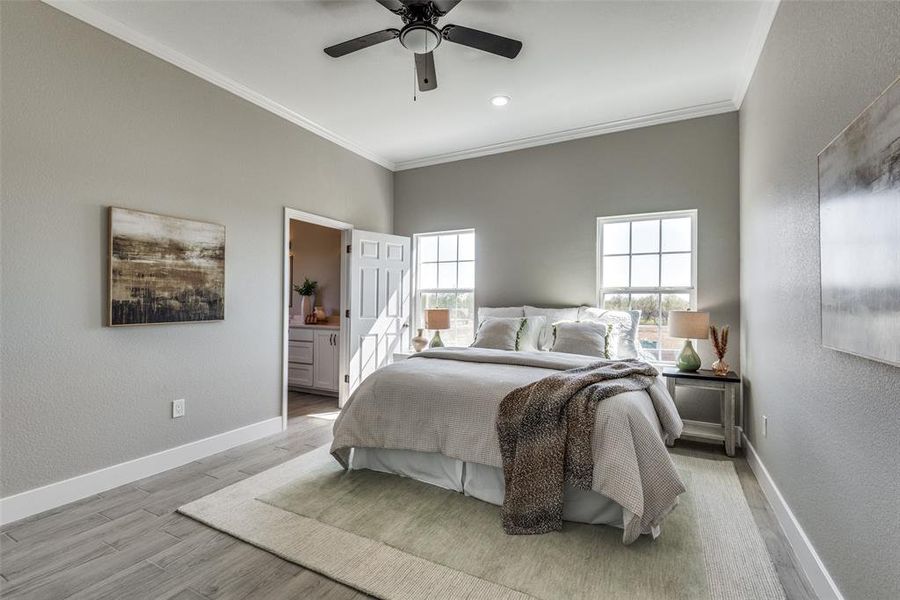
column 707, row 380
column 400, row 355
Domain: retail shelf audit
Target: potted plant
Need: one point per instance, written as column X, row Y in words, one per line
column 306, row 290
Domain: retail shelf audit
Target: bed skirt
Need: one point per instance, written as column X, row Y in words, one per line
column 482, row 482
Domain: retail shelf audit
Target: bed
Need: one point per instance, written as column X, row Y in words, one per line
column 432, row 418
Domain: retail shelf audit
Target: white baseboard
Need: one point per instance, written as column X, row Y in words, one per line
column 31, row 502
column 822, row 583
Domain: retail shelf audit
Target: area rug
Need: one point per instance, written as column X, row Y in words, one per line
column 398, row 539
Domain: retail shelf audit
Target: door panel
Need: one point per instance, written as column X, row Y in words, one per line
column 379, row 289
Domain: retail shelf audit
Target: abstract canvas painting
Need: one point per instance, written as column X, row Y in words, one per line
column 164, row 269
column 859, row 215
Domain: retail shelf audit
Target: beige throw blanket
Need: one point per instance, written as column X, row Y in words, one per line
column 545, row 430
column 447, row 400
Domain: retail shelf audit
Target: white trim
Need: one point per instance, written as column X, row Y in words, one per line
column 344, row 332
column 666, row 116
column 691, row 290
column 101, row 21
column 125, row 33
column 37, row 500
column 764, row 21
column 416, row 292
column 810, row 563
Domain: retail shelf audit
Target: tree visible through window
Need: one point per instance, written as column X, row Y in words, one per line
column 445, row 278
column 648, row 263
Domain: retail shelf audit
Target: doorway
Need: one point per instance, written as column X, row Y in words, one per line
column 314, row 300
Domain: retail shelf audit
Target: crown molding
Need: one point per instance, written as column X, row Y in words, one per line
column 117, row 29
column 754, row 48
column 659, row 118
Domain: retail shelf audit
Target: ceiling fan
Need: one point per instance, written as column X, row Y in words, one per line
column 421, row 35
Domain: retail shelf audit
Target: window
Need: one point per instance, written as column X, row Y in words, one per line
column 649, row 263
column 445, row 278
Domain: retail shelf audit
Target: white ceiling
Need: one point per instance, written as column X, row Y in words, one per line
column 585, row 68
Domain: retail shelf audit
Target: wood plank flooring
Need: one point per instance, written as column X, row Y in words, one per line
column 129, row 543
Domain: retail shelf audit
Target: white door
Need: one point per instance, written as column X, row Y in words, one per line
column 325, row 364
column 379, row 301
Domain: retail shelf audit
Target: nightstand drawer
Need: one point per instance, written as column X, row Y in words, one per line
column 300, row 352
column 300, row 375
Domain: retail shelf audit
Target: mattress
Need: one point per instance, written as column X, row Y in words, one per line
column 479, row 481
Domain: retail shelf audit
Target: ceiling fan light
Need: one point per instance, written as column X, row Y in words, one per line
column 421, row 38
column 500, row 100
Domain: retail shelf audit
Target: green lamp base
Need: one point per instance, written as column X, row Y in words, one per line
column 437, row 342
column 688, row 360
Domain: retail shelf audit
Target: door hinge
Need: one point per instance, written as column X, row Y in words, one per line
column 347, row 313
column 349, row 248
column 346, row 379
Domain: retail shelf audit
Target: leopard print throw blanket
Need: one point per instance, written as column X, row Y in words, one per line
column 545, row 431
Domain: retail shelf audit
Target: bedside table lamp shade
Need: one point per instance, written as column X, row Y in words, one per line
column 435, row 320
column 690, row 325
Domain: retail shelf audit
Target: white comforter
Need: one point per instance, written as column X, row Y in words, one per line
column 446, row 401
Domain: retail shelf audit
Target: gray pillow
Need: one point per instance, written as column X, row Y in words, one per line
column 552, row 315
column 587, row 338
column 499, row 333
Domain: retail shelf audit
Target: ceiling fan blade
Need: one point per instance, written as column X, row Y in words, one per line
column 361, row 42
column 482, row 40
column 442, row 7
column 425, row 73
column 395, row 6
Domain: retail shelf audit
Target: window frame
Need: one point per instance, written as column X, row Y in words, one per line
column 660, row 289
column 417, row 292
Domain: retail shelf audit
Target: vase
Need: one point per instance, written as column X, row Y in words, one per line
column 436, row 341
column 304, row 305
column 721, row 368
column 420, row 341
column 688, row 360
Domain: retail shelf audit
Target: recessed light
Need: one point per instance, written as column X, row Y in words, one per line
column 500, row 100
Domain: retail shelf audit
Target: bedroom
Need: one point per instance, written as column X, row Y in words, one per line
column 206, row 112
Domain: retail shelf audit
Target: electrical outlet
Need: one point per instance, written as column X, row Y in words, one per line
column 765, row 426
column 178, row 408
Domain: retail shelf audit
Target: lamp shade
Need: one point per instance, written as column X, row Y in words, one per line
column 437, row 318
column 688, row 324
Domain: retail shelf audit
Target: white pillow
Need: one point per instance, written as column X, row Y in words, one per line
column 587, row 338
column 623, row 325
column 530, row 334
column 552, row 315
column 509, row 333
column 504, row 311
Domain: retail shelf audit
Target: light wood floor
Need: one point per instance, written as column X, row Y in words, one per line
column 129, row 543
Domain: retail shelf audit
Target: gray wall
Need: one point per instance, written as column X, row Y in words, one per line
column 833, row 418
column 89, row 121
column 534, row 212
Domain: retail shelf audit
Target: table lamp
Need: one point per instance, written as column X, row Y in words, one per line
column 435, row 320
column 690, row 325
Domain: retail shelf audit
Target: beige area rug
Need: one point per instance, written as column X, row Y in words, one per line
column 399, row 539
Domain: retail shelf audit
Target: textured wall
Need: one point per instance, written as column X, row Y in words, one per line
column 88, row 121
column 833, row 418
column 535, row 210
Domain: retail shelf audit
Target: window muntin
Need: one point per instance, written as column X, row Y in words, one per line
column 648, row 262
column 445, row 278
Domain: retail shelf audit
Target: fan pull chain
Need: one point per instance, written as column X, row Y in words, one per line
column 415, row 99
